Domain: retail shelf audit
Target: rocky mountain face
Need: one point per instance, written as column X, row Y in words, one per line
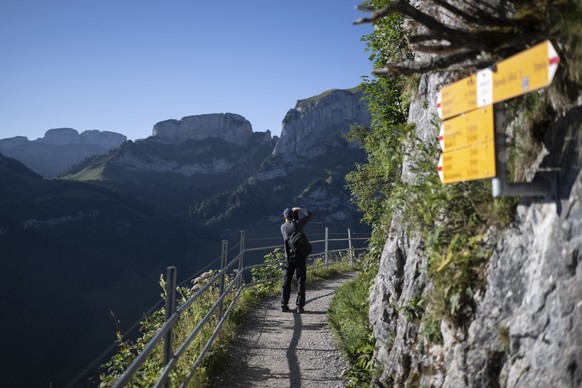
column 59, row 149
column 116, row 220
column 317, row 124
column 306, row 167
column 526, row 330
column 216, row 169
column 229, row 127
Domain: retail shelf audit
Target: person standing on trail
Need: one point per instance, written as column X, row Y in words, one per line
column 295, row 260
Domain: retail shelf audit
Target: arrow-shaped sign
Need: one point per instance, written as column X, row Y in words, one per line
column 522, row 73
column 476, row 161
column 469, row 128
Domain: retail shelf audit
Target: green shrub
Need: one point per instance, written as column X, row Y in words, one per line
column 348, row 318
column 220, row 351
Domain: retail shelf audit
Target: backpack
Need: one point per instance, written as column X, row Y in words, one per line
column 299, row 245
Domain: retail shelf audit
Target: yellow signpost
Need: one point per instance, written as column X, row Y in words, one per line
column 466, row 107
column 522, row 73
column 530, row 70
column 476, row 161
column 473, row 127
column 458, row 97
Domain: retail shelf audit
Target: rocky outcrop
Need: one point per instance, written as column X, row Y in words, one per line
column 527, row 329
column 105, row 139
column 229, row 127
column 60, row 136
column 312, row 156
column 65, row 136
column 59, row 149
column 203, row 144
column 527, row 326
column 318, row 124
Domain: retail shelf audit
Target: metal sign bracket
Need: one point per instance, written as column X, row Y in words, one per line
column 501, row 187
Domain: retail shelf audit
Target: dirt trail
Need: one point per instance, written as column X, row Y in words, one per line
column 287, row 349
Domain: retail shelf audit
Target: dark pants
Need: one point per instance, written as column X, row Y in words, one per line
column 300, row 268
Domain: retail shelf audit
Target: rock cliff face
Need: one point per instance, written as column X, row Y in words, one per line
column 59, row 149
column 317, row 124
column 527, row 327
column 313, row 156
column 230, row 127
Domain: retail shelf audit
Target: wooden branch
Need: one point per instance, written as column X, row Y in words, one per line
column 424, row 38
column 456, row 11
column 487, row 17
column 436, row 49
column 454, row 36
column 410, row 67
column 484, row 29
column 471, row 4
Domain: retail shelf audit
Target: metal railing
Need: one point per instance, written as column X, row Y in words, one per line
column 165, row 332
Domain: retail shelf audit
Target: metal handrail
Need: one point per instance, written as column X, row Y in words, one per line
column 166, row 328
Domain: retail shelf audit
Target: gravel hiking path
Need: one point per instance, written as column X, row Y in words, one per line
column 286, row 349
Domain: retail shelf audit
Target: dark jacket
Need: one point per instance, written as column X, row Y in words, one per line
column 291, row 226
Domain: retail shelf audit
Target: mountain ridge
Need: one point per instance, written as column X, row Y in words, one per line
column 59, row 149
column 113, row 222
column 277, row 171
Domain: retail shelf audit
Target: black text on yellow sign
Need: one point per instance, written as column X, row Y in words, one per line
column 476, row 161
column 476, row 126
column 522, row 73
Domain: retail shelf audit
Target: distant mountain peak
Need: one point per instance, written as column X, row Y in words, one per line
column 230, row 127
column 319, row 123
column 59, row 149
column 64, row 136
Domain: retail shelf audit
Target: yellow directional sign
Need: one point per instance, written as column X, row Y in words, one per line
column 522, row 73
column 476, row 161
column 530, row 70
column 473, row 127
column 458, row 97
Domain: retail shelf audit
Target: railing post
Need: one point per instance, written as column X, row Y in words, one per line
column 170, row 309
column 326, row 245
column 222, row 266
column 350, row 247
column 241, row 257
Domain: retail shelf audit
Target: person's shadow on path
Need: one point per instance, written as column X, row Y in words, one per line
column 292, row 359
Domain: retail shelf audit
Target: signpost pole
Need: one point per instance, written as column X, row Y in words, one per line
column 499, row 183
column 469, row 153
column 501, row 187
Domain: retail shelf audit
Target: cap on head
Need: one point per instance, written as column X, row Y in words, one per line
column 287, row 213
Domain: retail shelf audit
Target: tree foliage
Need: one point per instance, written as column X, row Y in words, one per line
column 452, row 219
column 460, row 34
column 372, row 182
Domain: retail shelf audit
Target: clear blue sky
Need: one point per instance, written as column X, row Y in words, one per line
column 124, row 65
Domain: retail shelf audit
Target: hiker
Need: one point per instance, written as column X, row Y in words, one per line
column 294, row 261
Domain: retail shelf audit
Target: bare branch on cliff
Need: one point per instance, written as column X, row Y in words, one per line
column 453, row 35
column 480, row 16
column 482, row 28
column 409, row 67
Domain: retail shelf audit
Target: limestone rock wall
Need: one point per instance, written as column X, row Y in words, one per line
column 527, row 329
column 317, row 124
column 230, row 127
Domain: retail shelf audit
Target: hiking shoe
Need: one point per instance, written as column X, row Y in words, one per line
column 299, row 310
column 284, row 309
